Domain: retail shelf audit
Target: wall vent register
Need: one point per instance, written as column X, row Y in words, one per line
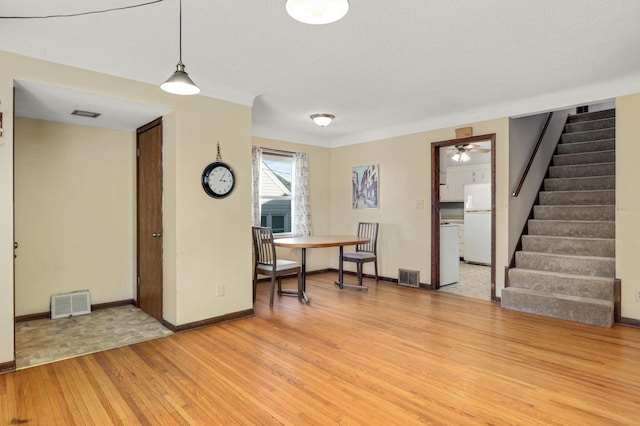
column 70, row 304
column 409, row 278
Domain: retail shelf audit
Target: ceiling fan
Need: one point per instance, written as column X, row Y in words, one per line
column 459, row 152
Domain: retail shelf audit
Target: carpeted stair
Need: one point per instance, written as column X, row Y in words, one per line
column 566, row 267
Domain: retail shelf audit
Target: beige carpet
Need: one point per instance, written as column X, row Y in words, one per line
column 42, row 341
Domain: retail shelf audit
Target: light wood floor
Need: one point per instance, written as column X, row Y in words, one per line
column 392, row 355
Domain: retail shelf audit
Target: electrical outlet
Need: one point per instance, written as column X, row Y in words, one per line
column 220, row 290
column 638, row 295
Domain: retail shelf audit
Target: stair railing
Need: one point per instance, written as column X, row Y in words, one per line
column 516, row 191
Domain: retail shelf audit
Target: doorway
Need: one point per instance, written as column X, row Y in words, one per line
column 76, row 229
column 438, row 152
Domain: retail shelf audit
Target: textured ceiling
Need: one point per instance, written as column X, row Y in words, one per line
column 387, row 68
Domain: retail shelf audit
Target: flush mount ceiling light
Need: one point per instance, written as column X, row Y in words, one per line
column 317, row 12
column 322, row 120
column 179, row 83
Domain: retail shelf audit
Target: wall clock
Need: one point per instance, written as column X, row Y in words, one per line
column 218, row 179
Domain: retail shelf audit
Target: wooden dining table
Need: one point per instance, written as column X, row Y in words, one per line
column 320, row 241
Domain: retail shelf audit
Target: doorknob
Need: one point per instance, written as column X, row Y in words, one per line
column 156, row 234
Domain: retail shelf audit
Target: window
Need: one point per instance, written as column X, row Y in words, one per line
column 276, row 190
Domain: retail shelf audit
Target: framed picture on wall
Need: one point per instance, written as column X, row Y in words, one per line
column 364, row 187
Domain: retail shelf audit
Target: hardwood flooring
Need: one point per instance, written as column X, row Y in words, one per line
column 392, row 355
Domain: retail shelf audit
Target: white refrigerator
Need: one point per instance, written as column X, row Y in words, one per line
column 477, row 223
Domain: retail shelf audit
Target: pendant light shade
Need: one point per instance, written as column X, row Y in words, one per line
column 317, row 12
column 322, row 120
column 180, row 83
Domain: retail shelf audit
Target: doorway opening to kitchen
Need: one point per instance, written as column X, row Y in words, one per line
column 463, row 216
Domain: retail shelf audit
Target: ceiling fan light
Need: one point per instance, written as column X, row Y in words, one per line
column 464, row 157
column 180, row 83
column 322, row 120
column 455, row 157
column 317, row 12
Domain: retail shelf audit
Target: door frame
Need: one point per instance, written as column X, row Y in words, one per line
column 435, row 206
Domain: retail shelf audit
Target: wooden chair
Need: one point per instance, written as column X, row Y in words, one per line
column 267, row 263
column 365, row 252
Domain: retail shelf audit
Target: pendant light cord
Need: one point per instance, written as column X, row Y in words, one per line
column 92, row 12
column 180, row 38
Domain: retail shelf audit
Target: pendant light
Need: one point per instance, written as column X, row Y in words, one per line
column 179, row 83
column 317, row 12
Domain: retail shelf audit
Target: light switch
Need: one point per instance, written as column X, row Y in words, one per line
column 419, row 204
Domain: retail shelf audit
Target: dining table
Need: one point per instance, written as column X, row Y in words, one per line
column 320, row 241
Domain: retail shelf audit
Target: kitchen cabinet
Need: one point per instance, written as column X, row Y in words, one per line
column 458, row 177
column 482, row 173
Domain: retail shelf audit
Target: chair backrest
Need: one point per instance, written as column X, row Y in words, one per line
column 368, row 230
column 263, row 247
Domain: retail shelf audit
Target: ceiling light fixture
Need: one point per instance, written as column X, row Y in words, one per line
column 322, row 120
column 317, row 12
column 89, row 114
column 179, row 83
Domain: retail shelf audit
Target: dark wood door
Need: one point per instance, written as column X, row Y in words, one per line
column 149, row 218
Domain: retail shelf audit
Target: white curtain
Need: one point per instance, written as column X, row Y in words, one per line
column 256, row 161
column 301, row 210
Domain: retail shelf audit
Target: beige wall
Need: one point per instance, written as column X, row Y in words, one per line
column 205, row 241
column 405, row 178
column 74, row 213
column 627, row 201
column 320, row 199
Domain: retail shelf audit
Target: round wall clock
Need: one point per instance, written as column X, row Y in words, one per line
column 218, row 180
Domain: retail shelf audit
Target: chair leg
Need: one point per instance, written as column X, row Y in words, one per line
column 300, row 284
column 359, row 269
column 279, row 286
column 375, row 264
column 255, row 285
column 273, row 284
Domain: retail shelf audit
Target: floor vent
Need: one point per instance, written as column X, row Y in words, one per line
column 70, row 304
column 409, row 278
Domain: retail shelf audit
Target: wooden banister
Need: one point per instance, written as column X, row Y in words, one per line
column 516, row 192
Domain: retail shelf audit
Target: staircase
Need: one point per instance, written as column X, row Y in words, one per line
column 566, row 267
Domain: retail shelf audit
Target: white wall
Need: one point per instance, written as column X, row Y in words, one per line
column 74, row 213
column 523, row 136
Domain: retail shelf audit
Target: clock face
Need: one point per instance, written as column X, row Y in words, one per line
column 218, row 180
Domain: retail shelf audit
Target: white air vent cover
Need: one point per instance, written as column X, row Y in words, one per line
column 70, row 304
column 409, row 278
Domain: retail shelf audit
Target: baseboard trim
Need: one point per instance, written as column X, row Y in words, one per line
column 7, row 367
column 33, row 317
column 632, row 322
column 210, row 321
column 94, row 307
column 115, row 304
